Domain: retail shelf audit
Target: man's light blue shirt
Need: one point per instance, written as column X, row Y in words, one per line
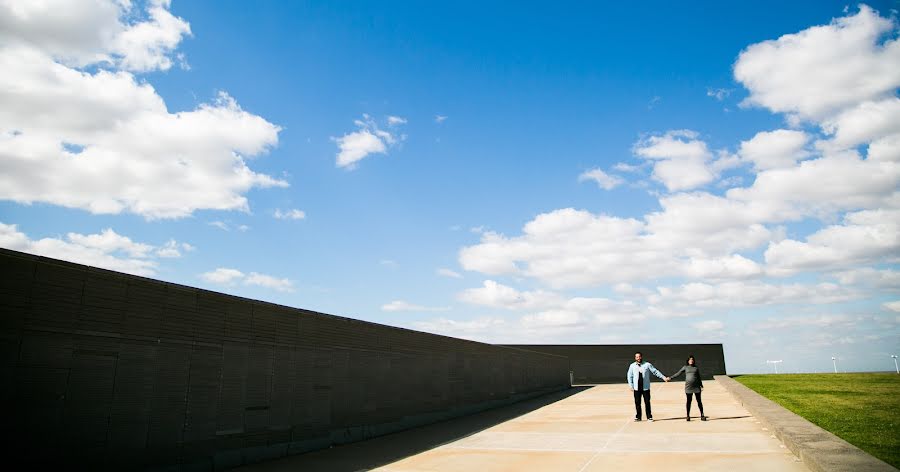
column 634, row 370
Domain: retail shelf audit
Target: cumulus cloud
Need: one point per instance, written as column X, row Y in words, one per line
column 749, row 294
column 496, row 295
column 99, row 138
column 865, row 237
column 368, row 139
column 293, row 214
column 551, row 309
column 439, row 119
column 603, row 180
column 106, row 32
column 868, row 276
column 229, row 277
column 821, row 70
column 401, row 305
column 679, row 159
column 730, row 267
column 775, row 149
column 106, row 249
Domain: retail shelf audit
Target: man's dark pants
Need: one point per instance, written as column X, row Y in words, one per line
column 637, row 403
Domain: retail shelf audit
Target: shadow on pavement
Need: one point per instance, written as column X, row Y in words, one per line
column 697, row 418
column 376, row 452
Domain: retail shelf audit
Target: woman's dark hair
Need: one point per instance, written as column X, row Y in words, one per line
column 688, row 361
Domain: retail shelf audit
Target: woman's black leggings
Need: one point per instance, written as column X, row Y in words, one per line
column 699, row 403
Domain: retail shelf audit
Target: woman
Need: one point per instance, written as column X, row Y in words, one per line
column 693, row 385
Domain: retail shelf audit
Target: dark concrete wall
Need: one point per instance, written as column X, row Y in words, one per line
column 609, row 363
column 106, row 370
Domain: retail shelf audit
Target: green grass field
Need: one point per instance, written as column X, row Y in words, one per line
column 863, row 409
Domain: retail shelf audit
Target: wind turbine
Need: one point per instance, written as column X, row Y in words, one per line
column 834, row 361
column 775, row 363
column 895, row 363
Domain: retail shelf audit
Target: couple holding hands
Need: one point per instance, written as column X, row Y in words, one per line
column 639, row 381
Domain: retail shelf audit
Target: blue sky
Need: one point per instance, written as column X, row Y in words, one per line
column 544, row 174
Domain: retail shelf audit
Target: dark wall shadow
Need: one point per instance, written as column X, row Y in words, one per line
column 383, row 450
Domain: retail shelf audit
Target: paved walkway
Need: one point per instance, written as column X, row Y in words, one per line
column 593, row 431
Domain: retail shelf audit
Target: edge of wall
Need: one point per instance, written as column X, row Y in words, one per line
column 819, row 450
column 100, row 270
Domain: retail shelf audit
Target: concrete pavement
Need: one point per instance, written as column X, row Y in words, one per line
column 594, row 431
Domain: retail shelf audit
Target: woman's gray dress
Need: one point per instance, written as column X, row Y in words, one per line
column 692, row 381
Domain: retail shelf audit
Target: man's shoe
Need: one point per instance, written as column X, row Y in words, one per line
column 703, row 418
column 650, row 419
column 687, row 418
column 636, row 418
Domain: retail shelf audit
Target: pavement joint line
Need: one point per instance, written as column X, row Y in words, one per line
column 608, row 440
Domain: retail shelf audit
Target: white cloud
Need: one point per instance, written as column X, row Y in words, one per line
column 107, row 249
column 268, row 281
column 718, row 93
column 401, row 305
column 102, row 140
column 603, row 180
column 867, row 276
column 79, row 33
column 893, row 306
column 443, row 272
column 395, row 120
column 730, row 267
column 495, row 295
column 439, row 119
column 821, row 321
column 566, row 247
column 554, row 319
column 821, row 70
column 228, row 276
column 697, row 295
column 173, row 248
column 479, row 329
column 866, row 237
column 821, row 187
column 709, row 326
column 679, row 159
column 293, row 214
column 222, row 276
column 867, row 122
column 368, row 139
column 623, row 167
column 553, row 310
column 775, row 149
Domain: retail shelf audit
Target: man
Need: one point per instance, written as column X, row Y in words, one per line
column 639, row 381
